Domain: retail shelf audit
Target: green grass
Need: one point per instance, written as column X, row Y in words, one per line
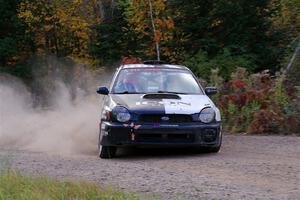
column 17, row 187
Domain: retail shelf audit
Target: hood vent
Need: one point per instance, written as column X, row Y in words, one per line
column 161, row 96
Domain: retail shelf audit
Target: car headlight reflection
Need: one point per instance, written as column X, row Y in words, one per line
column 121, row 114
column 207, row 115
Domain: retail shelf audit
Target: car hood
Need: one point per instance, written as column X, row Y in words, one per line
column 187, row 104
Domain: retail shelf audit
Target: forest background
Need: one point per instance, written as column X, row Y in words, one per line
column 248, row 49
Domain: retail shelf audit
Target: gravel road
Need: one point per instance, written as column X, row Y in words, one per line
column 248, row 167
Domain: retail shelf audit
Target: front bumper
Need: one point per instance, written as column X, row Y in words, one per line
column 149, row 134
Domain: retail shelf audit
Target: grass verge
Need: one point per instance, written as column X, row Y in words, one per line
column 17, row 187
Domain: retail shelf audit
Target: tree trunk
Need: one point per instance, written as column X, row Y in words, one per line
column 293, row 57
column 112, row 8
column 154, row 31
column 101, row 10
column 55, row 40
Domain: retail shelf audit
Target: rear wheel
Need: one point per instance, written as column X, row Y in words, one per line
column 107, row 151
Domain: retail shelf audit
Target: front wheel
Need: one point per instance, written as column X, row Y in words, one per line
column 215, row 149
column 107, row 151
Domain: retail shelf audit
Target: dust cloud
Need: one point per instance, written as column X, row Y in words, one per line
column 52, row 115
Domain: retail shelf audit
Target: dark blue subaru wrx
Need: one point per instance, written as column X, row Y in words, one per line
column 155, row 104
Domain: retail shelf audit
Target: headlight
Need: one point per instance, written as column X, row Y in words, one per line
column 121, row 114
column 207, row 115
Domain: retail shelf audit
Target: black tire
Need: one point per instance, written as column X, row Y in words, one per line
column 215, row 149
column 99, row 140
column 107, row 151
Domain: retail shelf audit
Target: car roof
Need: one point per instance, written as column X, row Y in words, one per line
column 166, row 66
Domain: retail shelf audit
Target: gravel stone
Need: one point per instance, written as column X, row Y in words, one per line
column 247, row 167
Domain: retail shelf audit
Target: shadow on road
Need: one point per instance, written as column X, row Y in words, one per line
column 147, row 153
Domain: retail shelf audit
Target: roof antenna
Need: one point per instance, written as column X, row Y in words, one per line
column 154, row 31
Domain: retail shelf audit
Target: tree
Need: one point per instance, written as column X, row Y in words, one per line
column 11, row 32
column 111, row 40
column 287, row 17
column 129, row 30
column 212, row 25
column 151, row 22
column 58, row 26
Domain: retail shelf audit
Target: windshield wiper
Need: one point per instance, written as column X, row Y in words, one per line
column 169, row 92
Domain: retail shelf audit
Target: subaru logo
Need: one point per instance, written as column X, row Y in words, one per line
column 165, row 118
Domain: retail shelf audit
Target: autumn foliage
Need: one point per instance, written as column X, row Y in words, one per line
column 130, row 60
column 202, row 35
column 259, row 103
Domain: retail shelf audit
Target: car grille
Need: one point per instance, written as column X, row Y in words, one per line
column 166, row 137
column 171, row 118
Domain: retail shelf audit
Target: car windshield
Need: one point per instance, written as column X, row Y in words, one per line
column 155, row 80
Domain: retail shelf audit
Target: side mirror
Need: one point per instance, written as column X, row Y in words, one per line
column 211, row 90
column 103, row 90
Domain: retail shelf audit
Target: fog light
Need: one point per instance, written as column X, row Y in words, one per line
column 105, row 133
column 209, row 135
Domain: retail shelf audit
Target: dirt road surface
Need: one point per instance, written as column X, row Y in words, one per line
column 248, row 167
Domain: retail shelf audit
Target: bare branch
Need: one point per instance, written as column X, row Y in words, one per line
column 154, row 30
column 293, row 57
column 101, row 10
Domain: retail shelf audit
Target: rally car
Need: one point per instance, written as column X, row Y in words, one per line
column 157, row 105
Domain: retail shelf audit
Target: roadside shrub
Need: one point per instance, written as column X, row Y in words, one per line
column 280, row 97
column 258, row 103
column 265, row 121
column 292, row 115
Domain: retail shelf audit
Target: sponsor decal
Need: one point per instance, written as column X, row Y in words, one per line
column 165, row 118
column 156, row 125
column 132, row 137
column 137, row 127
column 149, row 103
column 169, row 125
column 152, row 70
column 132, row 125
column 188, row 104
column 164, row 103
column 143, row 70
column 165, row 125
